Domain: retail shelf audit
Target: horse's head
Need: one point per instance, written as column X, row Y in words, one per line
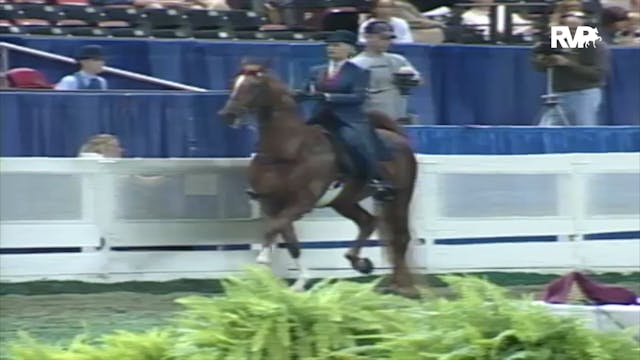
column 250, row 92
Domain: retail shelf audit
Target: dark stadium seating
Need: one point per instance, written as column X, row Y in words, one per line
column 104, row 19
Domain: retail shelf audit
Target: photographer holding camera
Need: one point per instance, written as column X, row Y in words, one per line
column 578, row 76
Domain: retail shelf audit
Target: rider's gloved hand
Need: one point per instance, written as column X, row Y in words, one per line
column 298, row 95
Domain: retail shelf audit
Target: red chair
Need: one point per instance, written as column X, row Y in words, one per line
column 27, row 78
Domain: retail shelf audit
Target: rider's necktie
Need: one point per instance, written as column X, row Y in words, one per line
column 333, row 69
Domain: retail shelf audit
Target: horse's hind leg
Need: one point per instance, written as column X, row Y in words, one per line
column 293, row 245
column 366, row 226
column 396, row 228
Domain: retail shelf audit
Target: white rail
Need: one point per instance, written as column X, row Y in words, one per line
column 108, row 69
column 102, row 204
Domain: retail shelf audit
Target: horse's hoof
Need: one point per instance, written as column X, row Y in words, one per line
column 407, row 292
column 363, row 266
column 300, row 285
column 263, row 259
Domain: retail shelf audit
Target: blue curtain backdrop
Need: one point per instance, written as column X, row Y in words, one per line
column 186, row 125
column 467, row 84
column 149, row 125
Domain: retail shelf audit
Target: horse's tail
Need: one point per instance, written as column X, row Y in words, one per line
column 380, row 120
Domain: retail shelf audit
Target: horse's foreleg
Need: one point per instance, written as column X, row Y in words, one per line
column 270, row 209
column 278, row 225
column 293, row 245
column 366, row 226
column 264, row 257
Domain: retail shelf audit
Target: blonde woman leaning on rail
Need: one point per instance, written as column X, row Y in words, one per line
column 101, row 146
column 105, row 146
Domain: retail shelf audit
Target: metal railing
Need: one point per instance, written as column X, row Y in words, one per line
column 4, row 65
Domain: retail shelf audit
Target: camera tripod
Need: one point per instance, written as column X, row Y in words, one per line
column 552, row 113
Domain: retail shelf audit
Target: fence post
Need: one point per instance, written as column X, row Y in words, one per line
column 4, row 68
column 425, row 211
column 578, row 194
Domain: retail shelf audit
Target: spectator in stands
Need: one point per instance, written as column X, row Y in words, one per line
column 284, row 12
column 479, row 18
column 423, row 30
column 220, row 5
column 382, row 10
column 578, row 77
column 616, row 27
column 384, row 94
column 101, row 146
column 91, row 62
column 564, row 7
column 592, row 7
column 634, row 32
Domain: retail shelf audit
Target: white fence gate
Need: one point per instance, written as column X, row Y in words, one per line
column 161, row 219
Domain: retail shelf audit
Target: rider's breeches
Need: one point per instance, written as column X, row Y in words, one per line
column 360, row 143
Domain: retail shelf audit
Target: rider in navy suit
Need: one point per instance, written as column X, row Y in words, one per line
column 340, row 88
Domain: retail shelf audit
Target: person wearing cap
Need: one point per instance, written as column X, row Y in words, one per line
column 90, row 61
column 382, row 10
column 578, row 78
column 384, row 92
column 340, row 91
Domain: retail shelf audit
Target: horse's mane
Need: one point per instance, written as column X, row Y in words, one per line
column 278, row 87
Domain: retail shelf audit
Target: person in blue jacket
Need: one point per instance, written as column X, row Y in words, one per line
column 90, row 62
column 340, row 90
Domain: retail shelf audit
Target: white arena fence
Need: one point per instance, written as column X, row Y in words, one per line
column 161, row 219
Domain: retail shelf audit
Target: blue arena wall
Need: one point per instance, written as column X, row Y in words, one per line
column 467, row 84
column 157, row 124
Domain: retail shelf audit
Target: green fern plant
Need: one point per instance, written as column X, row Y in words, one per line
column 482, row 323
column 154, row 344
column 259, row 318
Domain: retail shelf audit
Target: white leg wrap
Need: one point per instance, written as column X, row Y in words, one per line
column 265, row 256
column 303, row 277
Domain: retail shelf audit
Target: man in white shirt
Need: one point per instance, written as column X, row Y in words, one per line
column 91, row 62
column 383, row 11
column 384, row 94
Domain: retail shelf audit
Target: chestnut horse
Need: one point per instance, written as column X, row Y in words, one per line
column 297, row 168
